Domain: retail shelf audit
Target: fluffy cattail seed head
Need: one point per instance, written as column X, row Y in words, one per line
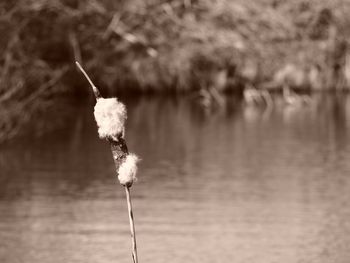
column 110, row 116
column 127, row 170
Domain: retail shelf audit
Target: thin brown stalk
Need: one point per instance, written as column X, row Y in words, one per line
column 119, row 151
column 94, row 88
column 132, row 225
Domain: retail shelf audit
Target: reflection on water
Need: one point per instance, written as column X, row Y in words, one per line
column 234, row 185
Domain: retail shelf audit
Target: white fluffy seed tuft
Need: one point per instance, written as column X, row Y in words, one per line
column 128, row 169
column 110, row 116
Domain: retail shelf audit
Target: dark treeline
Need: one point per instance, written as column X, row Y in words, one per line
column 167, row 45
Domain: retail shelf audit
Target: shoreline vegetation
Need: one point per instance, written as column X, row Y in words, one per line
column 246, row 47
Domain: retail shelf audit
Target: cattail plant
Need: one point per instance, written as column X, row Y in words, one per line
column 110, row 116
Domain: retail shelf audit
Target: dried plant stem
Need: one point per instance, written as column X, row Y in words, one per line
column 132, row 225
column 94, row 88
column 119, row 151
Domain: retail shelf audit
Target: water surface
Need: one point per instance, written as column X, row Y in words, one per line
column 232, row 184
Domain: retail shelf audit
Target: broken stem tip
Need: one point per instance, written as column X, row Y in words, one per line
column 94, row 88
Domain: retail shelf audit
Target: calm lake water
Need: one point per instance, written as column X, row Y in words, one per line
column 236, row 184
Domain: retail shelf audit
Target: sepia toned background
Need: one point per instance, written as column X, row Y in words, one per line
column 238, row 109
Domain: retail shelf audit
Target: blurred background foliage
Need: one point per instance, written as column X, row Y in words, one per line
column 176, row 46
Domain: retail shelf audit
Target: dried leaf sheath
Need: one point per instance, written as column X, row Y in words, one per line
column 119, row 151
